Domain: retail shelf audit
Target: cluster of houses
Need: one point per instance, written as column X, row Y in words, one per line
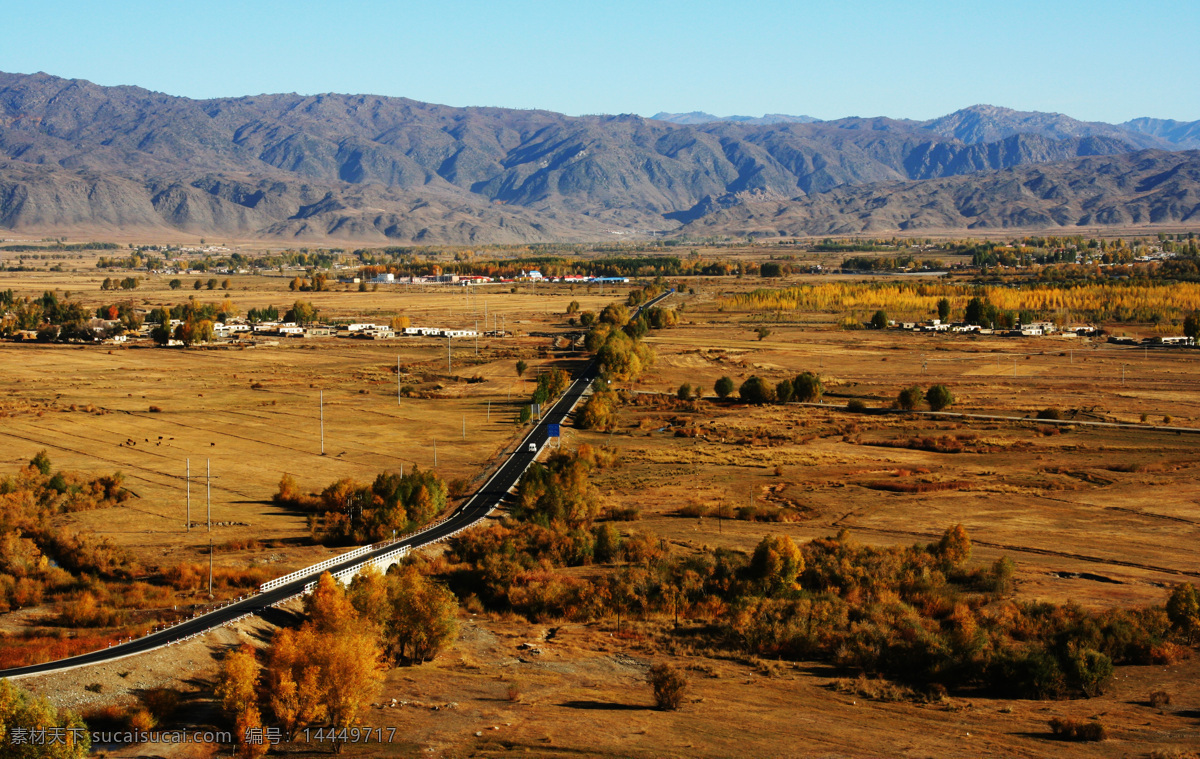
column 466, row 280
column 1032, row 329
column 238, row 330
column 1037, row 329
column 361, row 331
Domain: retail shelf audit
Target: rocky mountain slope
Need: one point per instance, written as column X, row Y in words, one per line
column 1148, row 187
column 75, row 155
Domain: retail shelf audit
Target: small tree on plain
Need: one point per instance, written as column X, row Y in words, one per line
column 723, row 387
column 879, row 319
column 943, row 307
column 41, row 462
column 669, row 684
column 763, row 333
column 756, row 390
column 954, row 547
column 909, row 398
column 1191, row 325
column 939, row 397
column 685, row 392
column 521, row 367
column 1183, row 610
column 783, row 391
column 807, row 388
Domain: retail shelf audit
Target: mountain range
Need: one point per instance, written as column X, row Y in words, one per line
column 78, row 156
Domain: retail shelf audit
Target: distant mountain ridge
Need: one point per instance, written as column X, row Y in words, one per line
column 700, row 117
column 1185, row 134
column 75, row 155
column 1144, row 188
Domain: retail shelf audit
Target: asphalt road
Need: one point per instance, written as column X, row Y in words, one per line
column 471, row 512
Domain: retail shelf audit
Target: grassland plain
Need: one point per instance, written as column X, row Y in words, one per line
column 1101, row 517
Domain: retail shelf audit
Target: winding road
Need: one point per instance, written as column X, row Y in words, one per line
column 470, row 513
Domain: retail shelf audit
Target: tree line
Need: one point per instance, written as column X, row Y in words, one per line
column 1086, row 301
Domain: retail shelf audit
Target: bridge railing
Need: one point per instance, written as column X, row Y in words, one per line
column 323, row 565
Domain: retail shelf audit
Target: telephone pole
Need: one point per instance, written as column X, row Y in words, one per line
column 208, row 486
column 189, row 495
column 448, row 362
column 321, row 405
column 435, row 453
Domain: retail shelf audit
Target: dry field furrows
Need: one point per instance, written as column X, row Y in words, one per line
column 1103, row 517
column 255, row 414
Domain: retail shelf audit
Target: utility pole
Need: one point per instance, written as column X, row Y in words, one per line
column 189, row 495
column 208, row 485
column 476, row 337
column 397, row 380
column 448, row 353
column 435, row 453
column 210, row 567
column 321, row 405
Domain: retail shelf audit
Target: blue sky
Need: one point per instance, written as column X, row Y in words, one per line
column 1100, row 60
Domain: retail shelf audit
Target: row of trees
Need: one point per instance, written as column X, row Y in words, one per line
column 805, row 387
column 939, row 397
column 318, row 283
column 211, row 284
column 128, row 283
column 999, row 305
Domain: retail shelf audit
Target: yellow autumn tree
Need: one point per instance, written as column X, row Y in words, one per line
column 238, row 683
column 294, row 684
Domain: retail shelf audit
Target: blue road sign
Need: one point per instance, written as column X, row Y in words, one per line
column 553, row 430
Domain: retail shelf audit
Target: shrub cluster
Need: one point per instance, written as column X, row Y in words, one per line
column 348, row 512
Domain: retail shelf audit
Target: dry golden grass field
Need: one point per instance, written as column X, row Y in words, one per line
column 1099, row 516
